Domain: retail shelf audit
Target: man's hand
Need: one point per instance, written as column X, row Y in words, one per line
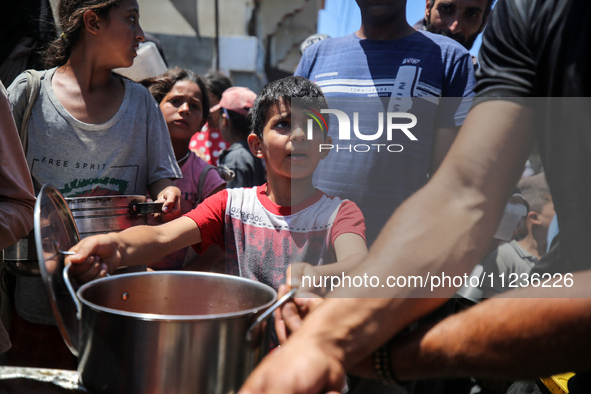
column 311, row 370
column 289, row 318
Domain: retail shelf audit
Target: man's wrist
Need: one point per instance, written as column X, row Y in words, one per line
column 382, row 361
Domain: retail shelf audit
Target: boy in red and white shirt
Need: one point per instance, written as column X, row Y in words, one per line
column 262, row 229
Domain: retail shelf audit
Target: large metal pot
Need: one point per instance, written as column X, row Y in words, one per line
column 170, row 332
column 92, row 215
column 152, row 332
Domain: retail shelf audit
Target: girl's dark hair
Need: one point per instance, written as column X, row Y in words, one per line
column 217, row 83
column 162, row 85
column 70, row 17
column 283, row 90
column 240, row 124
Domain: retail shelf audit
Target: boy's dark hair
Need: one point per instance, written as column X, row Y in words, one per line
column 239, row 124
column 283, row 90
column 162, row 85
column 70, row 16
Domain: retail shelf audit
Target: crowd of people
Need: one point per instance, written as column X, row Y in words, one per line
column 279, row 190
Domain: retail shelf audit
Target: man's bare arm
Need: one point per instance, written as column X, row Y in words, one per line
column 522, row 335
column 442, row 142
column 445, row 227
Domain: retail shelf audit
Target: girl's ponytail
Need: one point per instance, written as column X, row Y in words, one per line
column 71, row 20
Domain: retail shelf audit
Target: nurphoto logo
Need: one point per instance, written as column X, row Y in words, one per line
column 319, row 121
column 395, row 124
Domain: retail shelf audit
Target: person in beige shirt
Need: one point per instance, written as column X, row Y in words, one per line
column 16, row 194
column 17, row 198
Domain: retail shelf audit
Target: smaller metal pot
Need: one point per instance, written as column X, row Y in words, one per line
column 99, row 215
column 92, row 215
column 20, row 259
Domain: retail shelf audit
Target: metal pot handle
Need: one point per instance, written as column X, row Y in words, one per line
column 269, row 311
column 72, row 292
column 69, row 286
column 142, row 208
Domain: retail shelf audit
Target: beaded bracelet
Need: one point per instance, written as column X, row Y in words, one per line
column 383, row 366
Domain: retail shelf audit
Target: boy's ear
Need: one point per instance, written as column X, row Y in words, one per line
column 324, row 152
column 92, row 22
column 256, row 146
column 534, row 217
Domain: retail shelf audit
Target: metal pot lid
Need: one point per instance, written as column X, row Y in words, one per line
column 56, row 232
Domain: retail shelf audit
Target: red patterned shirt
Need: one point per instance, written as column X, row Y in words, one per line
column 261, row 238
column 208, row 143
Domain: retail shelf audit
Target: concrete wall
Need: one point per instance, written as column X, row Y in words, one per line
column 278, row 25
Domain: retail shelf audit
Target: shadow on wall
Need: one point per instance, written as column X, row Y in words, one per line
column 197, row 54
